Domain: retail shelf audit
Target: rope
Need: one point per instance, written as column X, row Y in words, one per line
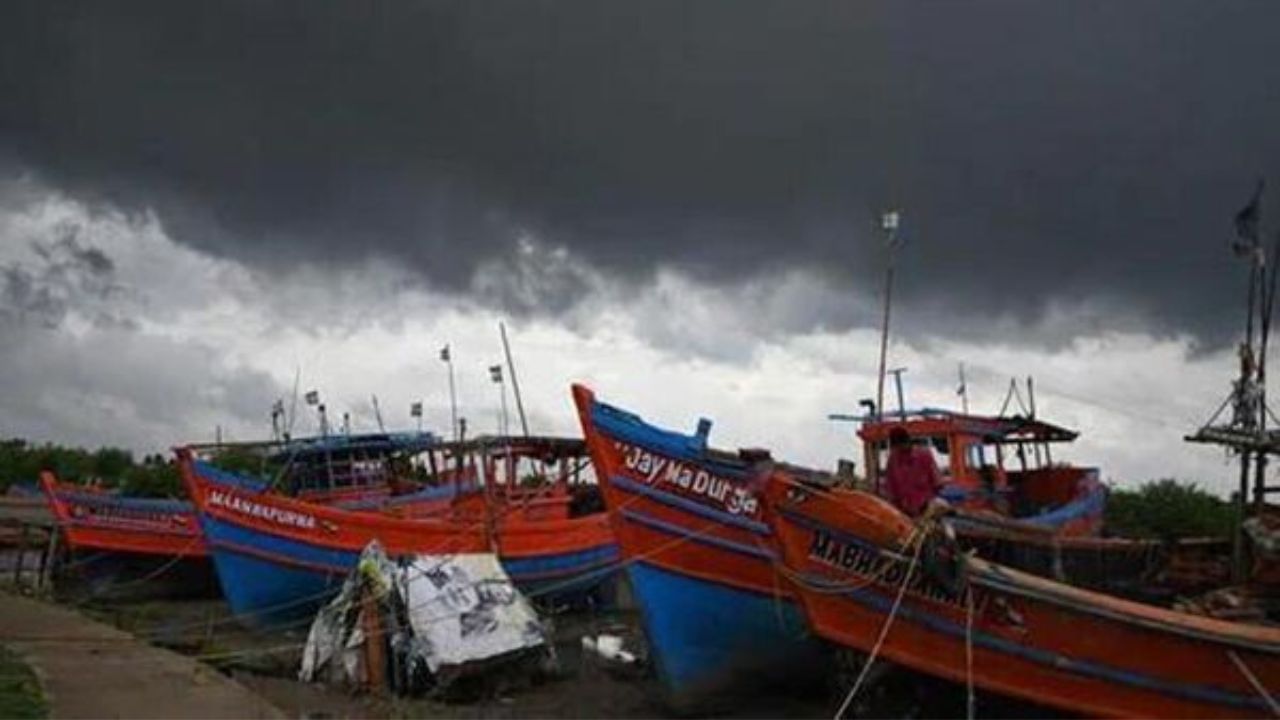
column 112, row 585
column 884, row 632
column 1257, row 684
column 545, row 590
column 972, row 706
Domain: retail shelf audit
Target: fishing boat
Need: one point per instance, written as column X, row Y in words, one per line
column 702, row 565
column 113, row 543
column 872, row 580
column 279, row 557
column 778, row 547
column 1018, row 506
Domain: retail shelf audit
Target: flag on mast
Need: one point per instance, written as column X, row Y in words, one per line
column 495, row 373
column 415, row 410
column 312, row 397
column 1247, row 223
column 444, row 354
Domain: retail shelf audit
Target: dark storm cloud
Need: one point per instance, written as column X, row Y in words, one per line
column 1044, row 152
column 65, row 275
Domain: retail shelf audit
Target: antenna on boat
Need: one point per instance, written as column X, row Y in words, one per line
column 897, row 380
column 515, row 384
column 293, row 404
column 377, row 414
column 277, row 419
column 447, row 357
column 1031, row 397
column 963, row 391
column 1013, row 394
column 889, row 222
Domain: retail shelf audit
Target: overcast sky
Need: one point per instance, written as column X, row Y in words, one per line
column 674, row 201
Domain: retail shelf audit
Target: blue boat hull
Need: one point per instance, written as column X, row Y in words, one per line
column 710, row 640
column 269, row 580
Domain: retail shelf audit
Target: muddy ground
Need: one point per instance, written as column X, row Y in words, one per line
column 584, row 687
column 267, row 662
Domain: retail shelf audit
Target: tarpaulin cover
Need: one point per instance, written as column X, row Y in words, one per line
column 459, row 609
column 466, row 608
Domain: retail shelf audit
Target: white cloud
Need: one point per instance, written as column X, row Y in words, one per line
column 211, row 342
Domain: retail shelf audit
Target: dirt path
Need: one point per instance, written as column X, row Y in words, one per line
column 89, row 669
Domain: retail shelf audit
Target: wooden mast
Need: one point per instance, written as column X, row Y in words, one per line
column 888, row 223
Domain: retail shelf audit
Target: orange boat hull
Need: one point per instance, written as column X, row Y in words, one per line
column 848, row 555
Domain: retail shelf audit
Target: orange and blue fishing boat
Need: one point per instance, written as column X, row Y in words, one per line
column 710, row 535
column 279, row 557
column 114, row 541
column 872, row 580
column 700, row 558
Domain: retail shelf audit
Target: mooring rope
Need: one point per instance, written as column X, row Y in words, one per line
column 1253, row 680
column 113, row 586
column 972, row 706
column 884, row 632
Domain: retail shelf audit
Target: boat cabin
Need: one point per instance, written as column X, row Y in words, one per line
column 353, row 466
column 1000, row 464
column 420, row 474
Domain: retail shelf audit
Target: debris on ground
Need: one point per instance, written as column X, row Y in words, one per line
column 426, row 624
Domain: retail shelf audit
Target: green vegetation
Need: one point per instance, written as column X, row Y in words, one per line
column 20, row 695
column 154, row 476
column 1166, row 509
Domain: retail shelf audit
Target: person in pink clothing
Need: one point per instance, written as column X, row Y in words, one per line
column 911, row 477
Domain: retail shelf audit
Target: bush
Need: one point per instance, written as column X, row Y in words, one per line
column 21, row 462
column 1168, row 509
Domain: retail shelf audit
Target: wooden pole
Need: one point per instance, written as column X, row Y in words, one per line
column 374, row 645
column 44, row 579
column 22, row 556
column 1268, row 281
column 453, row 396
column 884, row 334
column 515, row 383
column 1237, row 541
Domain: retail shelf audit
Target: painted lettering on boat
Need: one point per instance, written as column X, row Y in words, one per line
column 869, row 562
column 249, row 508
column 107, row 515
column 689, row 479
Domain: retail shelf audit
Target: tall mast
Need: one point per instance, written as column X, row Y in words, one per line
column 515, row 384
column 889, row 223
column 446, row 355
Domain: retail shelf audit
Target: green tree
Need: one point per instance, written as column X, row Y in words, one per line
column 22, row 462
column 1166, row 509
column 111, row 463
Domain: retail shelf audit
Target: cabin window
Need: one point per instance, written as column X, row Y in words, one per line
column 977, row 456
